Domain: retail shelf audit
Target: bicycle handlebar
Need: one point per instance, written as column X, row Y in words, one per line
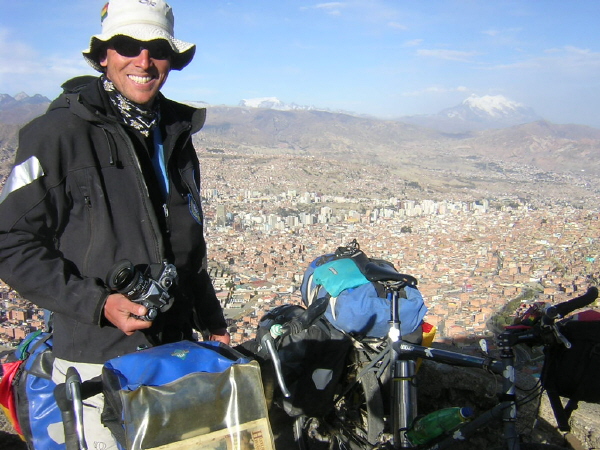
column 562, row 309
column 295, row 325
column 268, row 342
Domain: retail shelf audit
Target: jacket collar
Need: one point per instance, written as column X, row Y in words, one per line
column 92, row 104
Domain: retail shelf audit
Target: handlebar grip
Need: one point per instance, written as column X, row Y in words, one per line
column 562, row 309
column 68, row 417
column 313, row 312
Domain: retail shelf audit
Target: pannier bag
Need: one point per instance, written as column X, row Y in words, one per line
column 33, row 411
column 186, row 395
column 312, row 361
column 573, row 373
column 357, row 305
column 7, row 397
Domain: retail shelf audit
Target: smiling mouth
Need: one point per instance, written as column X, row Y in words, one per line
column 140, row 79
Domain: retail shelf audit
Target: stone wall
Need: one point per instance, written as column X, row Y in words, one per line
column 444, row 386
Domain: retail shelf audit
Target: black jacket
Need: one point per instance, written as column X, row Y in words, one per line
column 77, row 202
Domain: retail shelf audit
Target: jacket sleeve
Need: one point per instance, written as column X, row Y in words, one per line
column 208, row 311
column 34, row 208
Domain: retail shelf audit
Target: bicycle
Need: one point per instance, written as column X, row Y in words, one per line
column 381, row 369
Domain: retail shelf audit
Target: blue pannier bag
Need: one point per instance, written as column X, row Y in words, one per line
column 170, row 362
column 37, row 411
column 183, row 395
column 362, row 311
column 357, row 305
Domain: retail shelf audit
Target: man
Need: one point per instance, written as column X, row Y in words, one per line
column 108, row 174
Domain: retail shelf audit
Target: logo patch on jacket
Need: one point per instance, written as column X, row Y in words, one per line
column 194, row 209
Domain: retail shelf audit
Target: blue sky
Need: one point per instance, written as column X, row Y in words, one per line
column 380, row 57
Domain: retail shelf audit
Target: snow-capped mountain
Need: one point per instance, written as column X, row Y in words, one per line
column 477, row 113
column 493, row 105
column 491, row 109
column 273, row 103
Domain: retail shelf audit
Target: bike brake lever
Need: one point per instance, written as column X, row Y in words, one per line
column 560, row 336
column 268, row 342
column 551, row 314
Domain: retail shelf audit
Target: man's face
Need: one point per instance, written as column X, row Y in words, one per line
column 137, row 69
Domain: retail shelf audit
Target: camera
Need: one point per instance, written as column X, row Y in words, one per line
column 149, row 288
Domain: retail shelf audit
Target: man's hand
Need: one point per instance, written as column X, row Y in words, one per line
column 119, row 311
column 221, row 335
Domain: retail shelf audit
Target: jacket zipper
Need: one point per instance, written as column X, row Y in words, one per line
column 170, row 152
column 145, row 194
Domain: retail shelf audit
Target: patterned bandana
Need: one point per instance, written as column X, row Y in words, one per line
column 131, row 114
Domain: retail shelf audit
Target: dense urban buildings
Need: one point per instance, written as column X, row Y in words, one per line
column 471, row 258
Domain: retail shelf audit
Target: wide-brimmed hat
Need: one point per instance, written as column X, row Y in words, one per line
column 143, row 20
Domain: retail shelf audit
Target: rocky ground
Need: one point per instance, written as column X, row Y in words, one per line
column 451, row 386
column 8, row 439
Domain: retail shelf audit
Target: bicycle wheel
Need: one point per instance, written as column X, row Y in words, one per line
column 356, row 422
column 361, row 413
column 308, row 435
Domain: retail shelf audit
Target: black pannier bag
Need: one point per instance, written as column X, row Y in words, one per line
column 573, row 372
column 312, row 361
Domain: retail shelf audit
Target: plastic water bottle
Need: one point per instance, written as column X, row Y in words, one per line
column 438, row 422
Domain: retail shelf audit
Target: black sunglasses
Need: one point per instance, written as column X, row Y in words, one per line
column 130, row 48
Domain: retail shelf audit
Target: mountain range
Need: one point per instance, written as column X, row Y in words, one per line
column 484, row 146
column 274, row 103
column 21, row 108
column 474, row 113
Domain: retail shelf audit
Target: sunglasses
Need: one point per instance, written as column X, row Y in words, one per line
column 130, row 48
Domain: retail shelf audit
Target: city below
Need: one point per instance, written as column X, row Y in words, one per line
column 470, row 258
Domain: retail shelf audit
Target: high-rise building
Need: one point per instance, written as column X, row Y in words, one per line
column 221, row 215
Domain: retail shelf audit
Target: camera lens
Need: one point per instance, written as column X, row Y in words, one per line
column 125, row 279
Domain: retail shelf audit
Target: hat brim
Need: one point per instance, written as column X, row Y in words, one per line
column 183, row 52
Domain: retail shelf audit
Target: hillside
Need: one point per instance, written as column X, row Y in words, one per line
column 341, row 136
column 540, row 161
column 14, row 113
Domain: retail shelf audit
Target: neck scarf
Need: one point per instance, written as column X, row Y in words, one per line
column 131, row 114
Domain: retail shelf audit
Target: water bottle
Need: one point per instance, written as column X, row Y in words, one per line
column 436, row 423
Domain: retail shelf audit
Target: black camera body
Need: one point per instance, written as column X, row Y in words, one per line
column 149, row 288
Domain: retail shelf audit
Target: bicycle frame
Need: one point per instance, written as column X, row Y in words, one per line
column 391, row 359
column 404, row 356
